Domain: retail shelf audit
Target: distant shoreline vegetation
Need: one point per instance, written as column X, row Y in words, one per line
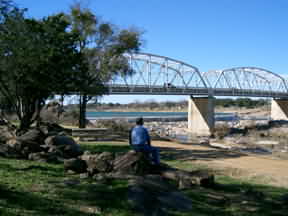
column 177, row 106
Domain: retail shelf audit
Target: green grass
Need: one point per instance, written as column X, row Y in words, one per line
column 95, row 147
column 30, row 188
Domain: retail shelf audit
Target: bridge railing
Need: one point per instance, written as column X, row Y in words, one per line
column 160, row 90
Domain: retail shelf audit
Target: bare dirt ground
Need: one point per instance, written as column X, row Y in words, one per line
column 261, row 169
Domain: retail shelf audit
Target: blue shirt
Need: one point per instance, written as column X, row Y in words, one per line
column 139, row 135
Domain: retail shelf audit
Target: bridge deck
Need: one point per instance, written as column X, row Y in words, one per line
column 156, row 90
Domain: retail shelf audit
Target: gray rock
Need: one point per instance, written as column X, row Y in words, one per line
column 187, row 179
column 76, row 165
column 6, row 133
column 44, row 157
column 38, row 156
column 66, row 145
column 151, row 194
column 71, row 182
column 133, row 163
column 84, row 175
column 8, row 151
column 32, row 140
column 50, row 129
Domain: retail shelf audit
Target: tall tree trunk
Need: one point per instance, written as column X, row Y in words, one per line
column 82, row 108
column 30, row 114
column 25, row 123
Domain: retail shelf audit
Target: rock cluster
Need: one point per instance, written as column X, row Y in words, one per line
column 46, row 143
column 150, row 191
column 130, row 163
column 124, row 165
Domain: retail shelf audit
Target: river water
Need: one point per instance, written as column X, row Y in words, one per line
column 154, row 116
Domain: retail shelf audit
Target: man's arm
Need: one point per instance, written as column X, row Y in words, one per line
column 148, row 138
column 130, row 137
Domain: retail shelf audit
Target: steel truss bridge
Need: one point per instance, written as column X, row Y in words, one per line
column 160, row 75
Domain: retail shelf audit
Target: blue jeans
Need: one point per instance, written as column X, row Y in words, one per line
column 150, row 150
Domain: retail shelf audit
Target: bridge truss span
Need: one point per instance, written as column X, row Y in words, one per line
column 247, row 81
column 160, row 75
column 154, row 74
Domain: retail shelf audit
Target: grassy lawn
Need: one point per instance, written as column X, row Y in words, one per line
column 31, row 188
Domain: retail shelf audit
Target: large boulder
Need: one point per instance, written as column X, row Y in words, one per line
column 133, row 163
column 187, row 179
column 47, row 142
column 52, row 129
column 45, row 157
column 97, row 163
column 6, row 133
column 9, row 151
column 64, row 144
column 76, row 165
column 130, row 163
column 152, row 195
column 30, row 142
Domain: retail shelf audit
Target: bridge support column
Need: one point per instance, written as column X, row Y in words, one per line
column 279, row 109
column 201, row 115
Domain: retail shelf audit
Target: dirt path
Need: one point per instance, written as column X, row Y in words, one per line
column 264, row 169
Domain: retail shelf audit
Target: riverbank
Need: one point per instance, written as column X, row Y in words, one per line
column 249, row 132
column 258, row 111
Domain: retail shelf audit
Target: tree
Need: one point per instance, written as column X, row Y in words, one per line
column 38, row 58
column 103, row 45
column 5, row 8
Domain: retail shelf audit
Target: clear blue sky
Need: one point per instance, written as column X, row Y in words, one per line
column 209, row 34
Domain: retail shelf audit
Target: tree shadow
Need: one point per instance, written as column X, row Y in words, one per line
column 171, row 154
column 108, row 197
column 97, row 148
column 27, row 166
column 237, row 199
column 15, row 203
column 168, row 153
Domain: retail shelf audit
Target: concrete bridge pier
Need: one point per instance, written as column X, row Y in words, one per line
column 201, row 115
column 279, row 109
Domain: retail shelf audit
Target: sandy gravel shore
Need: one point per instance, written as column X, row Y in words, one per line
column 264, row 169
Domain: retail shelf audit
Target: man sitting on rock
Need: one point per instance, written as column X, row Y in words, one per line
column 140, row 141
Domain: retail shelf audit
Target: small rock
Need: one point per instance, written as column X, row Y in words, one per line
column 38, row 156
column 84, row 175
column 219, row 145
column 91, row 210
column 71, row 182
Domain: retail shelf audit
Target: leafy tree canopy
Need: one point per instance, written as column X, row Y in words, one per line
column 38, row 58
column 103, row 45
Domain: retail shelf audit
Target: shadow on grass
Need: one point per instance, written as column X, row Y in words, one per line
column 20, row 166
column 14, row 203
column 238, row 199
column 29, row 188
column 170, row 154
column 96, row 148
column 110, row 197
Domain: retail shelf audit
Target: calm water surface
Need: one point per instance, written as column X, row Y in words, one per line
column 111, row 115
